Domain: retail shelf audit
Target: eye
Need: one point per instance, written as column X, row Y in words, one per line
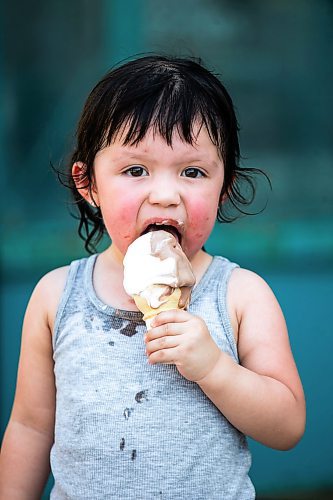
column 136, row 171
column 193, row 172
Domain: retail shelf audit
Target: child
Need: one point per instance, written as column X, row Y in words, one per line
column 126, row 413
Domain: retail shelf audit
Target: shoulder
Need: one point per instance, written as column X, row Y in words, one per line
column 47, row 293
column 260, row 320
column 250, row 297
column 249, row 291
column 245, row 286
column 52, row 282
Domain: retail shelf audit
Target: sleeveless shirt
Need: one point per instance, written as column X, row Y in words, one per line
column 125, row 429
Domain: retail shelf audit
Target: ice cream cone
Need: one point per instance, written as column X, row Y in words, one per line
column 149, row 312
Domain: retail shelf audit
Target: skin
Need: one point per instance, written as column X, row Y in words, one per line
column 135, row 186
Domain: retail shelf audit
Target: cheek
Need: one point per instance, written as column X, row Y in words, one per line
column 120, row 215
column 201, row 220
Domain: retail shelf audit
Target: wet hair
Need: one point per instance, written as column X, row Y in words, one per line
column 167, row 95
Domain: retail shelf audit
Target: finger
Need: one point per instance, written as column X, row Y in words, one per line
column 161, row 343
column 165, row 330
column 163, row 356
column 172, row 316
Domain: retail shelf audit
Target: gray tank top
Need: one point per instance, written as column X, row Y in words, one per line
column 129, row 430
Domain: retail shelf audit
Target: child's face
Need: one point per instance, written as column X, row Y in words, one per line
column 150, row 183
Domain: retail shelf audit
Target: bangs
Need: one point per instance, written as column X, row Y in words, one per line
column 168, row 112
column 165, row 100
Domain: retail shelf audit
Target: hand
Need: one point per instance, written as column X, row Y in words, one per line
column 177, row 337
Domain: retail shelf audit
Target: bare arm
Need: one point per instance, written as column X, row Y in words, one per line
column 263, row 396
column 24, row 459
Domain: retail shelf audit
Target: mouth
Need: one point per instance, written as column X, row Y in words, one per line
column 171, row 227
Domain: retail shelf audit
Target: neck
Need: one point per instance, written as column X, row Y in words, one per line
column 113, row 255
column 200, row 263
column 108, row 279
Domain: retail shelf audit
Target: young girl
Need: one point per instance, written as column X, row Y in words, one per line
column 128, row 414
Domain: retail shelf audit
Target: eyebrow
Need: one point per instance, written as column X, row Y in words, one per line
column 190, row 158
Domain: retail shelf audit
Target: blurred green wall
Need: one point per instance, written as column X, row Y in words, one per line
column 274, row 57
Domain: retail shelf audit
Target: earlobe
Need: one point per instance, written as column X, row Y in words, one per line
column 223, row 199
column 83, row 184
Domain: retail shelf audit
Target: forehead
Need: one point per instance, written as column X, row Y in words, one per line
column 153, row 142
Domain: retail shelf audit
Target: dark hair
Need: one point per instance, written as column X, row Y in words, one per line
column 167, row 94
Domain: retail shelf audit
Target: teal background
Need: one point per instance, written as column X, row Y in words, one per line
column 275, row 58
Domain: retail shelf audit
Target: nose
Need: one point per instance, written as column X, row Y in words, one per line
column 164, row 192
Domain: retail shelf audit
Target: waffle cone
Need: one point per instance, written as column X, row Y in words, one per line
column 149, row 312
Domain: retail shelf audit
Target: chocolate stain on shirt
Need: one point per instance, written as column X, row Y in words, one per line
column 141, row 396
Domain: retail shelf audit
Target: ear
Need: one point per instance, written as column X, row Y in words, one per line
column 85, row 187
column 223, row 198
